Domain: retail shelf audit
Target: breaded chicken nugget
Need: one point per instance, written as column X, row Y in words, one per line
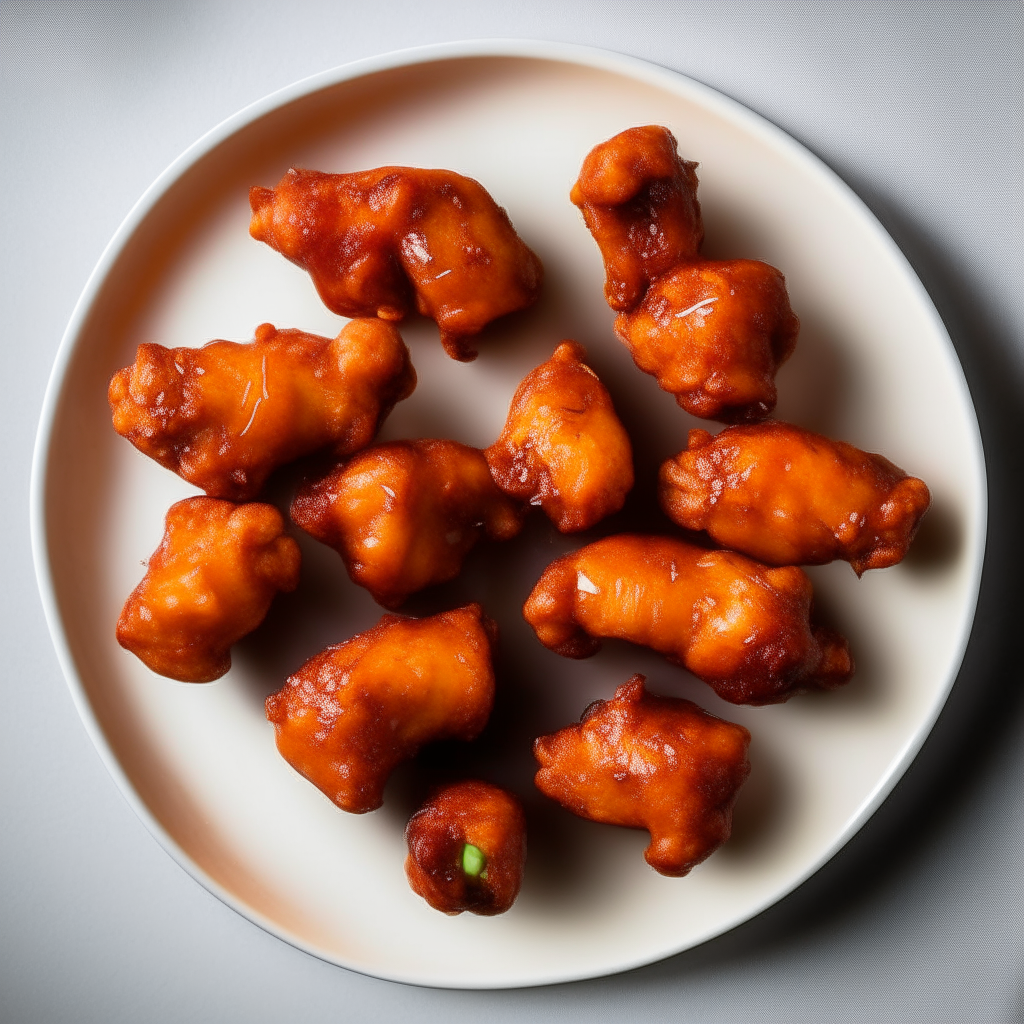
column 467, row 848
column 388, row 241
column 208, row 584
column 789, row 497
column 226, row 415
column 563, row 447
column 355, row 711
column 658, row 763
column 404, row 515
column 742, row 627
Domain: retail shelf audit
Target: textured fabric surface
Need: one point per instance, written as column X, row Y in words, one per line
column 918, row 107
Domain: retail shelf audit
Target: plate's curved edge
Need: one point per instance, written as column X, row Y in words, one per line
column 601, row 59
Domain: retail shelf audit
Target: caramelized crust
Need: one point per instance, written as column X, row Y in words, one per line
column 714, row 334
column 639, row 200
column 387, row 241
column 355, row 711
column 563, row 447
column 226, row 415
column 484, row 816
column 787, row 496
column 657, row 763
column 740, row 626
column 209, row 583
column 404, row 515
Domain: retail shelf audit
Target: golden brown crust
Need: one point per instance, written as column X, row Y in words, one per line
column 639, row 200
column 562, row 446
column 355, row 711
column 740, row 626
column 714, row 333
column 658, row 763
column 787, row 497
column 404, row 515
column 208, row 584
column 386, row 241
column 485, row 816
column 226, row 415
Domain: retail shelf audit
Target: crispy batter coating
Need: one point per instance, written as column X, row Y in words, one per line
column 563, row 447
column 484, row 880
column 658, row 763
column 226, row 415
column 714, row 334
column 209, row 583
column 740, row 626
column 639, row 200
column 355, row 711
column 405, row 514
column 788, row 497
column 387, row 241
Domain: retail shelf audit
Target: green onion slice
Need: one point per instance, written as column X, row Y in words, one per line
column 473, row 860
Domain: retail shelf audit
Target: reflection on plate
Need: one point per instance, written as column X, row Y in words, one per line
column 873, row 366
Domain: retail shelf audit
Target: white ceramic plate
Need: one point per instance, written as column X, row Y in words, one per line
column 873, row 366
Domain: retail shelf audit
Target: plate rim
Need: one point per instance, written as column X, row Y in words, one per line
column 597, row 58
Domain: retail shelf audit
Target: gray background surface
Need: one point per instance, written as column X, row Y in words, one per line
column 918, row 107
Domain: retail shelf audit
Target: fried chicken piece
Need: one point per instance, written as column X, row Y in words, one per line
column 639, row 200
column 224, row 416
column 467, row 847
column 405, row 514
column 740, row 626
column 355, row 711
column 788, row 497
column 658, row 763
column 714, row 334
column 387, row 241
column 563, row 447
column 209, row 583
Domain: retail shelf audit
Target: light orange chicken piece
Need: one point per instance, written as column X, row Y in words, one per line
column 658, row 763
column 639, row 200
column 740, row 626
column 404, row 515
column 226, row 415
column 467, row 847
column 355, row 711
column 563, row 447
column 208, row 584
column 714, row 333
column 387, row 241
column 790, row 497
